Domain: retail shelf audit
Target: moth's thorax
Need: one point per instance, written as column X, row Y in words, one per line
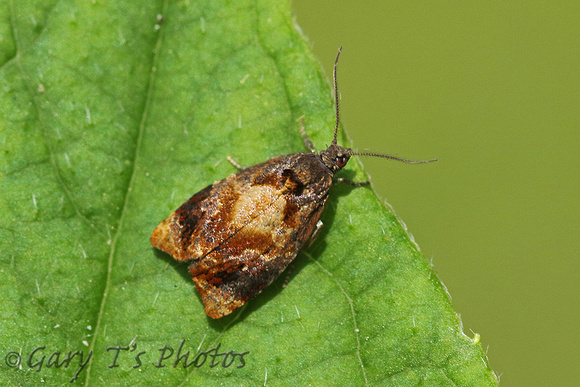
column 310, row 167
column 335, row 157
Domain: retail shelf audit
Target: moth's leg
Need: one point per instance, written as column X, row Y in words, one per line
column 308, row 243
column 235, row 164
column 315, row 233
column 307, row 141
column 350, row 182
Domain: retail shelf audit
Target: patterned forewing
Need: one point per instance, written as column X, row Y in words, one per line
column 215, row 213
column 243, row 231
column 241, row 267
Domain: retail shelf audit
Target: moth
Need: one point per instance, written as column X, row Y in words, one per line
column 240, row 233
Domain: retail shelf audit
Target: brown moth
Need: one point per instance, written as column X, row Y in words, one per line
column 240, row 233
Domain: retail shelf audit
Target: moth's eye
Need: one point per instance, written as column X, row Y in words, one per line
column 341, row 161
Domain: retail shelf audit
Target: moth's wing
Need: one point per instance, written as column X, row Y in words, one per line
column 174, row 234
column 241, row 267
column 217, row 212
column 243, row 231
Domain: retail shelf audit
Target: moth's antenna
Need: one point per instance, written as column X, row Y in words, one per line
column 393, row 158
column 336, row 96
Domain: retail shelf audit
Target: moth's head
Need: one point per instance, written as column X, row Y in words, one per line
column 335, row 157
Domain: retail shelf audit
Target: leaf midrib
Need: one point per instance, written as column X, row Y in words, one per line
column 142, row 124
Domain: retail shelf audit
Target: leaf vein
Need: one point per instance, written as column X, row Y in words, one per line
column 351, row 303
column 143, row 122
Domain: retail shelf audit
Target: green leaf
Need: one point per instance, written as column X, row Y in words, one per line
column 110, row 118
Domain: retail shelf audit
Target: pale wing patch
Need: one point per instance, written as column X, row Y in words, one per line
column 270, row 214
column 257, row 199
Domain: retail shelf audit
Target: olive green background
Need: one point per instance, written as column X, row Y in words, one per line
column 493, row 90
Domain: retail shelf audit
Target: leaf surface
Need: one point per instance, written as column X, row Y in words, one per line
column 114, row 113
